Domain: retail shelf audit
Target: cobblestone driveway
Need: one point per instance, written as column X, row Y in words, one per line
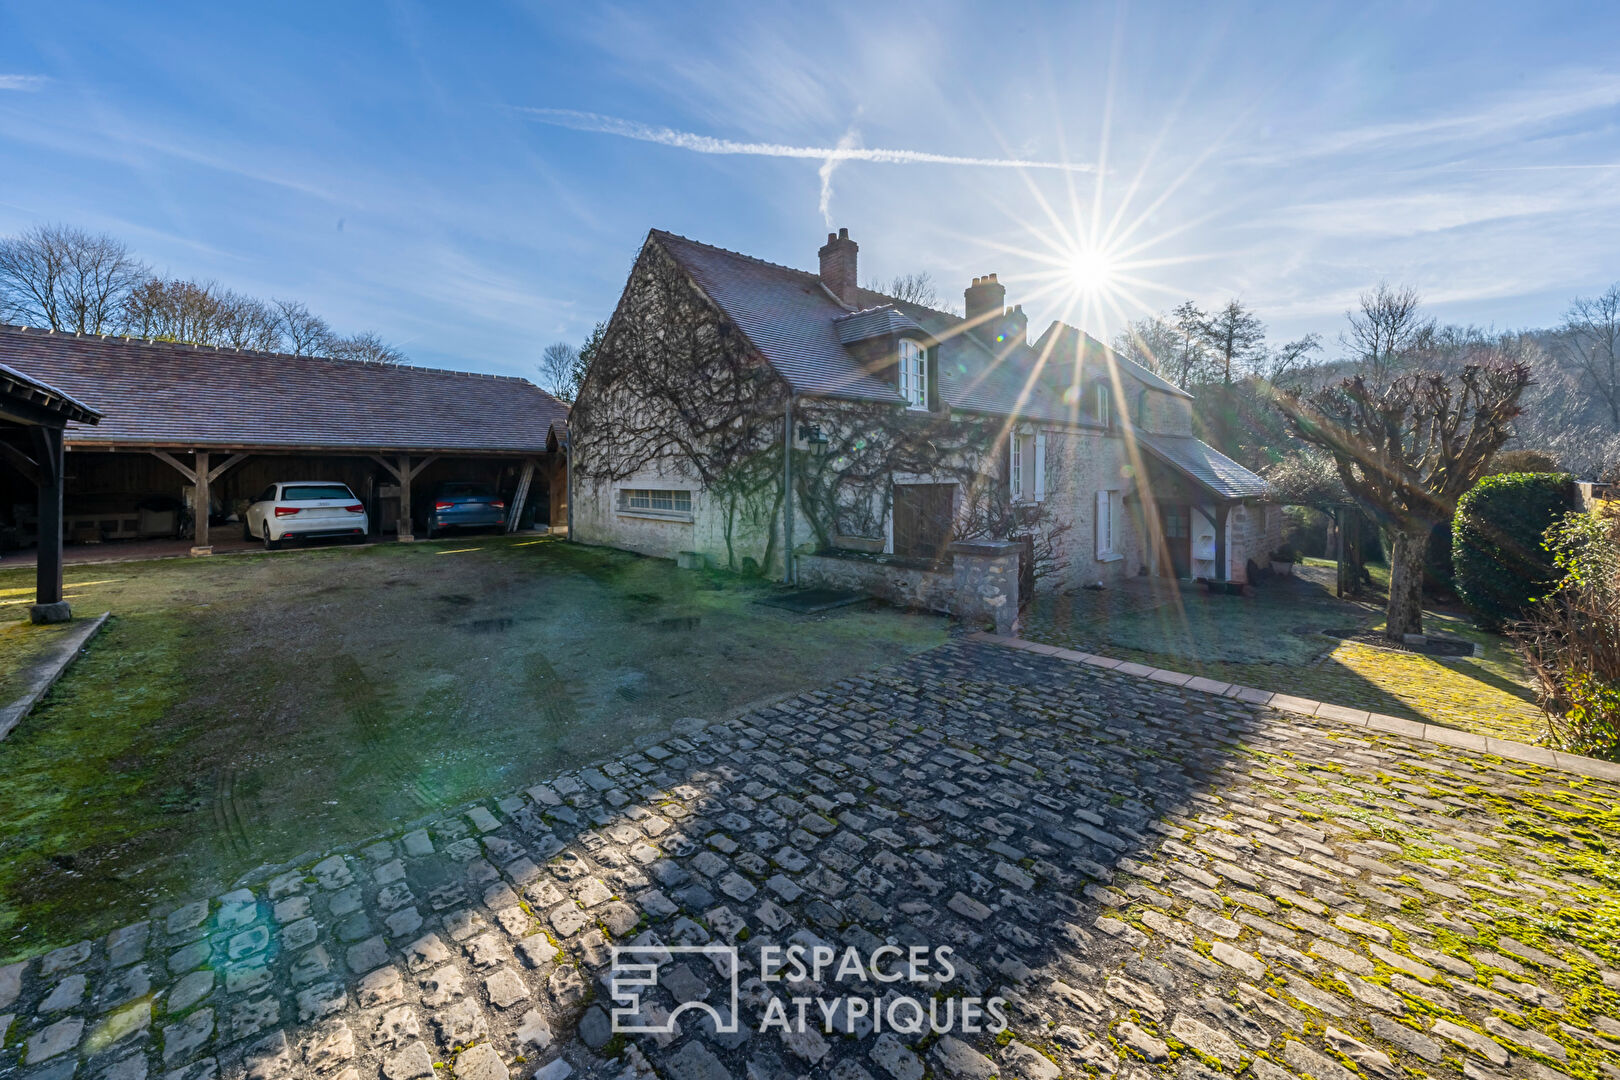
column 1156, row 879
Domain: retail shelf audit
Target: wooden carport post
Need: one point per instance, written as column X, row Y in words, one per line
column 400, row 469
column 48, row 604
column 201, row 503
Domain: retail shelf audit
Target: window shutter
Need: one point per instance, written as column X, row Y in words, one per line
column 1040, row 466
column 1102, row 524
column 1015, row 469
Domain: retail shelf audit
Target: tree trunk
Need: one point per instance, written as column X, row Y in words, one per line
column 1404, row 615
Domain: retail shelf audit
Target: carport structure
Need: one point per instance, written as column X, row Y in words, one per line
column 33, row 415
column 192, row 431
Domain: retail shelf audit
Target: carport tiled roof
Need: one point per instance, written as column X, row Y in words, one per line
column 1205, row 465
column 166, row 394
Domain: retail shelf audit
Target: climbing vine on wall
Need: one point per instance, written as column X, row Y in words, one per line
column 676, row 389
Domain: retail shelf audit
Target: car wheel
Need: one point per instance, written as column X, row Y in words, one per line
column 269, row 544
column 428, row 532
column 247, row 531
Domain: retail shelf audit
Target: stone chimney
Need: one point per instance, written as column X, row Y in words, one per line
column 838, row 267
column 983, row 301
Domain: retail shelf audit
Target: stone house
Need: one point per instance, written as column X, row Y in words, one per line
column 799, row 424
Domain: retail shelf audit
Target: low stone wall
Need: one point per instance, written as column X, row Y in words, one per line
column 980, row 586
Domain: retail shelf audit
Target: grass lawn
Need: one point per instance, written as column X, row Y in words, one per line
column 248, row 709
column 1275, row 640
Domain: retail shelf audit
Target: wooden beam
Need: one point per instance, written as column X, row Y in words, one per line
column 164, row 455
column 406, row 475
column 201, row 499
column 48, row 566
column 218, row 470
column 22, row 463
column 379, row 459
column 424, row 463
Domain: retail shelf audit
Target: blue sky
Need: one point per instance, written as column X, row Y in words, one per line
column 473, row 181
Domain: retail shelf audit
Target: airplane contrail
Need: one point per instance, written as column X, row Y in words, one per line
column 705, row 144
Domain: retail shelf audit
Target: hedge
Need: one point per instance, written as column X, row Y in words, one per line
column 1497, row 556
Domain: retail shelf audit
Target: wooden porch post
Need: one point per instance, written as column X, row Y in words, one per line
column 201, row 499
column 405, row 477
column 1221, row 510
column 49, row 607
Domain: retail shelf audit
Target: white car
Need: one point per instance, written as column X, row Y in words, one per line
column 306, row 509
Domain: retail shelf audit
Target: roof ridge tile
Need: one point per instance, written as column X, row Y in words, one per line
column 228, row 350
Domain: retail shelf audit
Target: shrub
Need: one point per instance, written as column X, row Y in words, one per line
column 1572, row 637
column 1498, row 561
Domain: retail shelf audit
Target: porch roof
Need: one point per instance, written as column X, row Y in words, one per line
column 1204, row 465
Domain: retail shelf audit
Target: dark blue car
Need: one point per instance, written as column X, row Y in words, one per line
column 465, row 506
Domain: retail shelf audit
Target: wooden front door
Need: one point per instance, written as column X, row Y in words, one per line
column 1177, row 522
column 922, row 520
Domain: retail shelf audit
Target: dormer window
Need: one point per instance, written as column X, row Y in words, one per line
column 914, row 373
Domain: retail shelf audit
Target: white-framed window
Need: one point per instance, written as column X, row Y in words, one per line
column 914, row 373
column 1026, row 466
column 656, row 502
column 1110, row 509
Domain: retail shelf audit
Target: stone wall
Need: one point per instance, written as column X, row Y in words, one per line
column 979, row 587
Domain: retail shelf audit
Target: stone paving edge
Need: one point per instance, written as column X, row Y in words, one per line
column 1394, row 725
column 67, row 651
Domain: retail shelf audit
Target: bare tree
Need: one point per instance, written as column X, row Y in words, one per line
column 1290, row 363
column 1191, row 362
column 366, row 346
column 1233, row 335
column 1590, row 341
column 1153, row 342
column 173, row 310
column 558, row 367
column 66, row 279
column 303, row 332
column 1386, row 331
column 1408, row 450
column 914, row 288
column 201, row 314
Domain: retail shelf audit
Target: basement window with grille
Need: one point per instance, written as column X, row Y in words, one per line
column 669, row 503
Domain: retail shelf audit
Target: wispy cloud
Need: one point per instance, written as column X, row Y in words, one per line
column 846, row 150
column 23, row 82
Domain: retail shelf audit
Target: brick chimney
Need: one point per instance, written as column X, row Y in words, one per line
column 1013, row 326
column 983, row 301
column 838, row 267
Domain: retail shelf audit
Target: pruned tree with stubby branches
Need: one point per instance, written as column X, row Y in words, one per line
column 1407, row 450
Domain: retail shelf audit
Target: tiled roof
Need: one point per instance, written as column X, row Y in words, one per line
column 160, row 393
column 800, row 329
column 1067, row 342
column 44, row 396
column 787, row 314
column 1205, row 465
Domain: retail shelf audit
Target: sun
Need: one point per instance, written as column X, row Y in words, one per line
column 1091, row 271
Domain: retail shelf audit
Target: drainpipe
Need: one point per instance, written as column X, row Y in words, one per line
column 568, row 462
column 787, row 492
